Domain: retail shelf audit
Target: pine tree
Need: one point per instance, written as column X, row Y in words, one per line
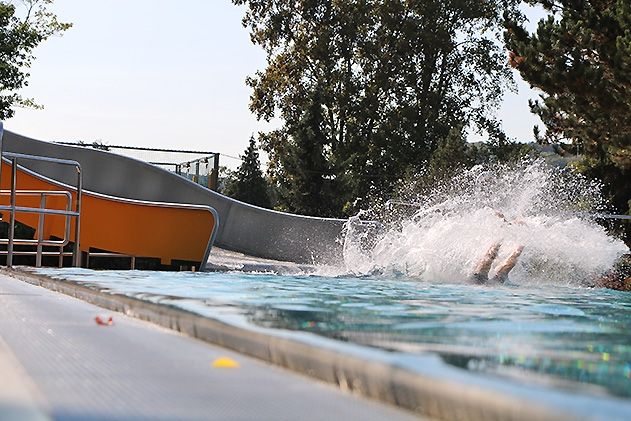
column 580, row 57
column 248, row 184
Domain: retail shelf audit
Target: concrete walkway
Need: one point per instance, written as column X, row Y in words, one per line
column 56, row 361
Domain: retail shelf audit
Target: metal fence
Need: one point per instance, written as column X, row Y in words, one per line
column 201, row 167
column 42, row 211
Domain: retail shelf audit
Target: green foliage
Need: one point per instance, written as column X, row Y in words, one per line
column 247, row 183
column 503, row 150
column 19, row 35
column 452, row 154
column 369, row 89
column 304, row 175
column 580, row 57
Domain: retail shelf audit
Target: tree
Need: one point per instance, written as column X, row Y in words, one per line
column 580, row 57
column 18, row 37
column 452, row 154
column 304, row 176
column 392, row 77
column 248, row 184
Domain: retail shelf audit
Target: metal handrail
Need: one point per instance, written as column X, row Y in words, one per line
column 42, row 211
column 13, row 208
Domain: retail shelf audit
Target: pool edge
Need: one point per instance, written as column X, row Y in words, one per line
column 423, row 395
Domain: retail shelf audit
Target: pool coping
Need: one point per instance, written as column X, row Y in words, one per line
column 380, row 380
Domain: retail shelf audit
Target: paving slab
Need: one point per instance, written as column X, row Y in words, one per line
column 19, row 398
column 134, row 370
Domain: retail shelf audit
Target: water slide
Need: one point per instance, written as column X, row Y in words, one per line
column 241, row 227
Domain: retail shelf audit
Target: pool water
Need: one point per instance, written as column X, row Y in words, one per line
column 568, row 337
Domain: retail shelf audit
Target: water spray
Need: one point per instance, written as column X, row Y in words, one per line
column 441, row 235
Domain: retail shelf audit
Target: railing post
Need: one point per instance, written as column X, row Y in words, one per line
column 40, row 231
column 76, row 258
column 1, row 146
column 14, row 166
column 213, row 180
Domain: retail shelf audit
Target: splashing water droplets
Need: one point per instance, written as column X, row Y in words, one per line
column 440, row 235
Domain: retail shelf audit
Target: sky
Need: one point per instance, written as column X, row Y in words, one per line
column 164, row 74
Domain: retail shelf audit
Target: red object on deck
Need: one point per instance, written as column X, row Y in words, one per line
column 104, row 322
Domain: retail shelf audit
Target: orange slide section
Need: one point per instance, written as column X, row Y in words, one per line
column 141, row 229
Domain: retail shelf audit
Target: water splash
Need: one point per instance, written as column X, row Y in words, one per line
column 440, row 234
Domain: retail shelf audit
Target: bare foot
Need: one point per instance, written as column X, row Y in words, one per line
column 481, row 271
column 501, row 275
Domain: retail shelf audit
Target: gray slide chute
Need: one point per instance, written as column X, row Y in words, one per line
column 244, row 228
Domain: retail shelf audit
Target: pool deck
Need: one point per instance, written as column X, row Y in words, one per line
column 57, row 363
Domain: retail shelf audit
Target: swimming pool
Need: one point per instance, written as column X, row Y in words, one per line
column 570, row 338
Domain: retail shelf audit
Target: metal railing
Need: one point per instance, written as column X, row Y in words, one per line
column 43, row 211
column 172, row 159
column 212, row 174
column 40, row 242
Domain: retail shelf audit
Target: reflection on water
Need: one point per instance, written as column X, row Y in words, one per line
column 567, row 337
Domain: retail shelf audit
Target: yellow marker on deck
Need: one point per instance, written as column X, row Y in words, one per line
column 225, row 362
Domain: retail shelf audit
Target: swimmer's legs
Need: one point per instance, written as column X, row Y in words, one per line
column 501, row 275
column 481, row 271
